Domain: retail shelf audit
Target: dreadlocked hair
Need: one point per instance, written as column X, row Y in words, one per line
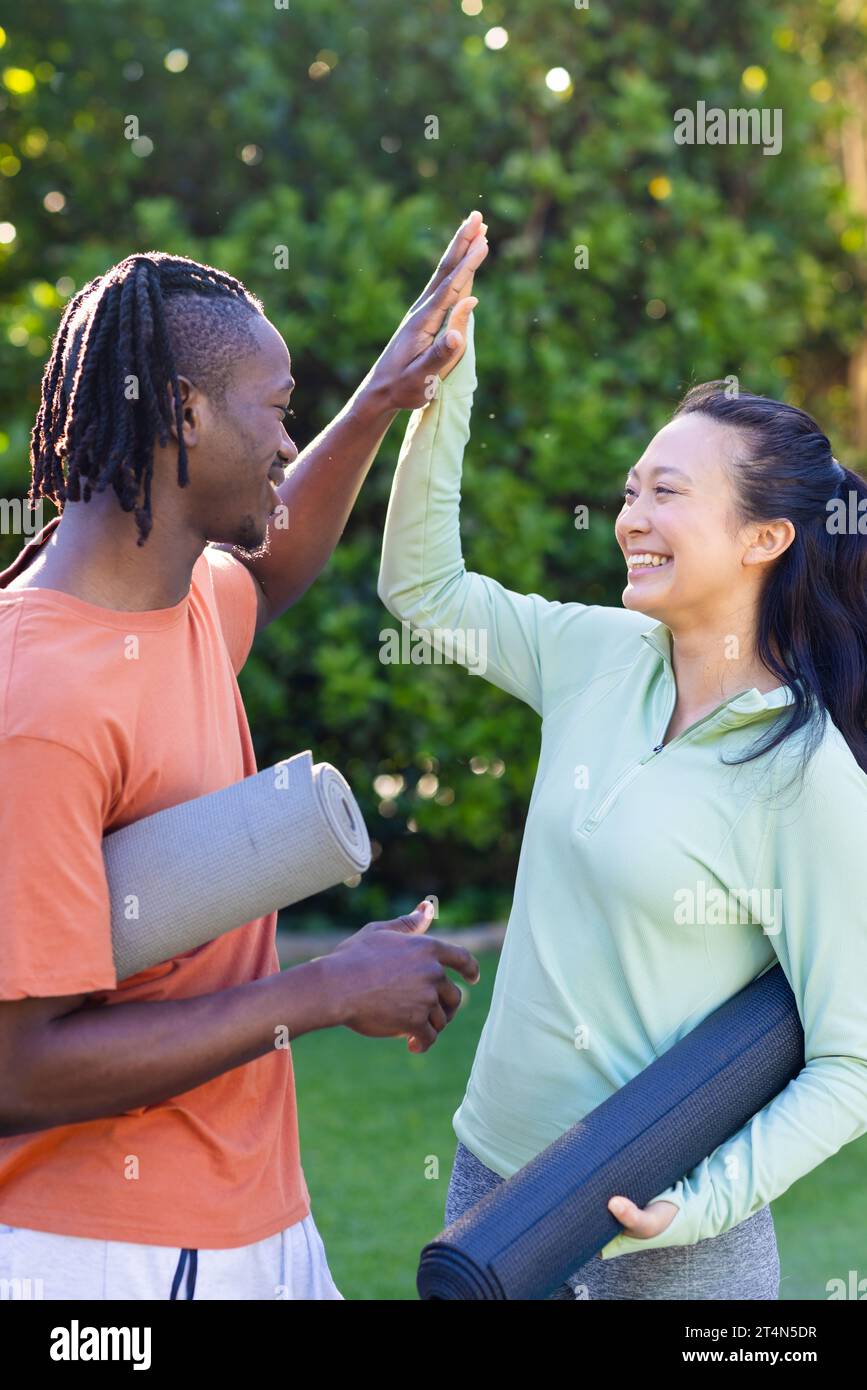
column 122, row 342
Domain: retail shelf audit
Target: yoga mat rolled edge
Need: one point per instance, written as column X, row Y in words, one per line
column 194, row 871
column 529, row 1233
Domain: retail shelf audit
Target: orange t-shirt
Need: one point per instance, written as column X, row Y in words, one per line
column 106, row 717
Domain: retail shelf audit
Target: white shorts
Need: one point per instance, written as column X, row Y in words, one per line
column 39, row 1264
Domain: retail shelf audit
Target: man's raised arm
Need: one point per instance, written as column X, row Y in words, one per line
column 322, row 484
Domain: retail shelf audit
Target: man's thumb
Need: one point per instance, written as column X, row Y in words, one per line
column 421, row 916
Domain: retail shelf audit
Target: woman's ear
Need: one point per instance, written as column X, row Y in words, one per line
column 769, row 541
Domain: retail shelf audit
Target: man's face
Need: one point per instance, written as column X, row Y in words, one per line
column 241, row 446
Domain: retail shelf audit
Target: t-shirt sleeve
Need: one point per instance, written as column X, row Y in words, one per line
column 234, row 590
column 816, row 845
column 55, row 927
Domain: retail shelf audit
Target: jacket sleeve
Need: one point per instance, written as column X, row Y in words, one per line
column 423, row 580
column 815, row 849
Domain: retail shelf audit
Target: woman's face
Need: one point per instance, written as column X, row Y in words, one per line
column 679, row 508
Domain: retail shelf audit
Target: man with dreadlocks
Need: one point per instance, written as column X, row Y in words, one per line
column 148, row 1130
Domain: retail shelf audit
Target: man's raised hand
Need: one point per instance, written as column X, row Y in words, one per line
column 405, row 374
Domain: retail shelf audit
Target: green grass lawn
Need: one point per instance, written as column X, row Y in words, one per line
column 374, row 1118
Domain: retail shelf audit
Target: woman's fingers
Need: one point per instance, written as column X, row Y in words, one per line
column 428, row 312
column 627, row 1213
column 462, row 311
column 452, row 349
column 454, row 287
column 642, row 1221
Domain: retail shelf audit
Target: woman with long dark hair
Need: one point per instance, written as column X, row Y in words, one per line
column 699, row 811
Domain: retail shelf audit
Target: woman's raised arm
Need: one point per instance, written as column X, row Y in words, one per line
column 423, row 580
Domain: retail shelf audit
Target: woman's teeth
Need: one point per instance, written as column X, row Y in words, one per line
column 648, row 561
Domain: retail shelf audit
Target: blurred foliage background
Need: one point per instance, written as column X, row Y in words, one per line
column 307, row 125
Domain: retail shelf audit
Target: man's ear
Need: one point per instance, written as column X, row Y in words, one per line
column 191, row 409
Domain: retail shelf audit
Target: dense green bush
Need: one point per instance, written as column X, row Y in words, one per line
column 703, row 260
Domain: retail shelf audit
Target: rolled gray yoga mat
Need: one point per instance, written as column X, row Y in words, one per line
column 191, row 873
column 529, row 1233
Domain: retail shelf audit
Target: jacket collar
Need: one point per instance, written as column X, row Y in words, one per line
column 741, row 708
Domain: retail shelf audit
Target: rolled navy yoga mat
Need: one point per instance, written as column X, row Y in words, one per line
column 194, row 871
column 530, row 1232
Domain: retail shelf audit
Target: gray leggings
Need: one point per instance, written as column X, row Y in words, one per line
column 741, row 1263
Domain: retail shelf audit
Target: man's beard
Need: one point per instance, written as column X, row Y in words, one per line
column 250, row 549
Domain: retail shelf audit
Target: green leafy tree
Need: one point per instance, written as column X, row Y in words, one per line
column 355, row 133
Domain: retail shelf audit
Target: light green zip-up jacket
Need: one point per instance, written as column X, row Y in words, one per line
column 653, row 882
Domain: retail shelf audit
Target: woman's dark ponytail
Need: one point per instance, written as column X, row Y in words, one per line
column 813, row 607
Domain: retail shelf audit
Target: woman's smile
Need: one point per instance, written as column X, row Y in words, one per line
column 647, row 562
